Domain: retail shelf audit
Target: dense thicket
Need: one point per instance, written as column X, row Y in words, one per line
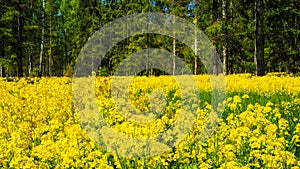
column 42, row 38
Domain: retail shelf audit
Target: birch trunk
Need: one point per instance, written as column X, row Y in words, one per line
column 224, row 17
column 174, row 51
column 196, row 49
column 215, row 56
column 43, row 38
column 50, row 53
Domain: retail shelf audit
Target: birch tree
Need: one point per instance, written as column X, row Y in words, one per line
column 224, row 17
column 43, row 38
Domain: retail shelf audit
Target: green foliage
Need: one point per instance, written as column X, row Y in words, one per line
column 72, row 22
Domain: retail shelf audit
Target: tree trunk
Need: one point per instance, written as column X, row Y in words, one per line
column 66, row 61
column 20, row 41
column 174, row 56
column 174, row 50
column 31, row 57
column 259, row 38
column 224, row 17
column 288, row 66
column 195, row 48
column 215, row 56
column 215, row 10
column 3, row 56
column 30, row 65
column 127, row 44
column 147, row 56
column 196, row 56
column 50, row 53
column 43, row 38
column 215, row 62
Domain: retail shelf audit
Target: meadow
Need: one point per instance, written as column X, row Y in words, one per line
column 259, row 127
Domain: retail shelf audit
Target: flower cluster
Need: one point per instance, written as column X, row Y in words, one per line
column 259, row 127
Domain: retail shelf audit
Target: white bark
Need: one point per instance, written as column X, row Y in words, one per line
column 195, row 48
column 43, row 37
column 224, row 16
column 174, row 56
column 174, row 52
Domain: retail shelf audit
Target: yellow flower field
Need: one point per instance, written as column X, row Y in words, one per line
column 259, row 127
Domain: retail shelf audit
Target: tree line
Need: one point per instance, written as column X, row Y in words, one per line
column 44, row 38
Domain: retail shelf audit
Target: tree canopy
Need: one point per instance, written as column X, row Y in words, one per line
column 44, row 38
